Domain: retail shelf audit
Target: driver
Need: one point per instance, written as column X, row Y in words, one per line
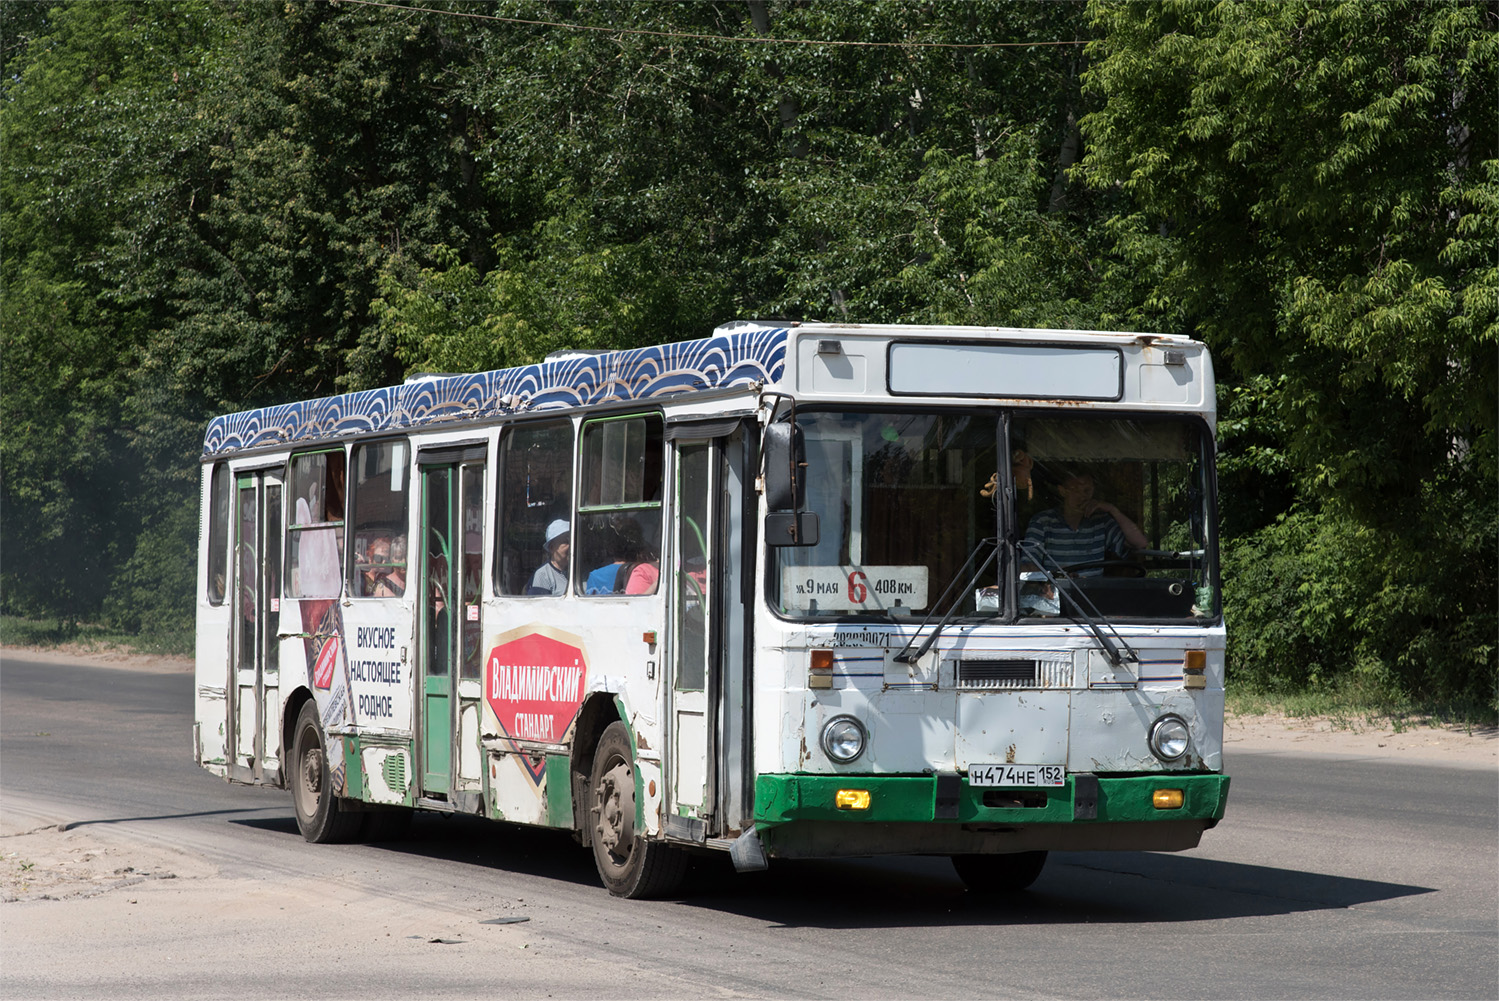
column 1083, row 530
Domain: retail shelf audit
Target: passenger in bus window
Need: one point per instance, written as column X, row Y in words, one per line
column 373, row 562
column 384, row 575
column 622, row 540
column 394, row 583
column 644, row 575
column 551, row 576
column 1021, row 466
column 1082, row 530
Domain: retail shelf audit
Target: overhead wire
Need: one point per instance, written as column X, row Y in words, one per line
column 746, row 39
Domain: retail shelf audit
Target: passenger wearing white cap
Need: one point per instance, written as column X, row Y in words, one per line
column 551, row 576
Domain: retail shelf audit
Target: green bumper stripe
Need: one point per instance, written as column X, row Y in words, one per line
column 780, row 799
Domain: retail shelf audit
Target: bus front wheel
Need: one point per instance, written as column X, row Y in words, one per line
column 999, row 873
column 629, row 864
column 320, row 817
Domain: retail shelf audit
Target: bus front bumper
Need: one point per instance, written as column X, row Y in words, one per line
column 1089, row 812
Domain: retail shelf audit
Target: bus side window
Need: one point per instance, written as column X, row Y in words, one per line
column 536, row 471
column 315, row 536
column 218, row 533
column 378, row 511
column 618, row 530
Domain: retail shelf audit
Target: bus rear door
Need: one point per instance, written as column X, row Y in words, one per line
column 254, row 668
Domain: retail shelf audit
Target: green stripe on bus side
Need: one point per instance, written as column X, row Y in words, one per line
column 780, row 799
column 559, row 791
column 353, row 768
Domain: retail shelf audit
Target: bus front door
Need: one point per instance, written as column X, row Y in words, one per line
column 452, row 501
column 707, row 748
column 254, row 668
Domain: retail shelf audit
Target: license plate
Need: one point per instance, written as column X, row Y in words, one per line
column 1017, row 775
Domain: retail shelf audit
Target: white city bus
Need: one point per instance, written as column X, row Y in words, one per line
column 790, row 591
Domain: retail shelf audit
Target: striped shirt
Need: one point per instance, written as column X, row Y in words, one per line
column 1096, row 534
column 548, row 580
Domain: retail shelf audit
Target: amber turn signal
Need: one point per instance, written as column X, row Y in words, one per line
column 854, row 799
column 820, row 669
column 1167, row 799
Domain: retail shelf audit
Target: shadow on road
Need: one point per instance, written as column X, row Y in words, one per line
column 1075, row 888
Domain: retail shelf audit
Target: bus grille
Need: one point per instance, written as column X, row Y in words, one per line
column 1013, row 673
column 996, row 673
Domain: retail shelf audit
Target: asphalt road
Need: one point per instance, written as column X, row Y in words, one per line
column 1329, row 877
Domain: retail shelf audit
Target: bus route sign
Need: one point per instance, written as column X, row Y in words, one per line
column 854, row 588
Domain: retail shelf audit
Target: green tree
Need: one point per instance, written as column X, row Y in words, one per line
column 98, row 125
column 690, row 180
column 1326, row 174
column 198, row 200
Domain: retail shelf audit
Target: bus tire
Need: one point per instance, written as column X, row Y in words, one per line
column 320, row 816
column 629, row 864
column 999, row 873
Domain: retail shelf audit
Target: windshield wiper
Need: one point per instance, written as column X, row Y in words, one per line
column 1086, row 610
column 905, row 656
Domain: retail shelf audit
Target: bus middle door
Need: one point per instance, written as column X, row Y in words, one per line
column 452, row 503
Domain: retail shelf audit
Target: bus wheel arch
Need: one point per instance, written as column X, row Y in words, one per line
column 595, row 716
column 290, row 711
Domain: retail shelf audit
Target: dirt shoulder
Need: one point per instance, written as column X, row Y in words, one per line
column 79, row 653
column 44, row 859
column 1457, row 746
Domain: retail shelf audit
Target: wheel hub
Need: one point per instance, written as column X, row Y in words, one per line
column 312, row 771
column 616, row 810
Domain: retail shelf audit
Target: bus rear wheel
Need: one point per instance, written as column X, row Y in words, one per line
column 320, row 816
column 999, row 873
column 629, row 864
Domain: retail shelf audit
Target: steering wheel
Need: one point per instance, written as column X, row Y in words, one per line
column 1135, row 569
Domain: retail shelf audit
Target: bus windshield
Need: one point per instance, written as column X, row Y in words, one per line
column 1107, row 516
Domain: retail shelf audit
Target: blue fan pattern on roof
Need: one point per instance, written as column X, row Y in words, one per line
column 742, row 358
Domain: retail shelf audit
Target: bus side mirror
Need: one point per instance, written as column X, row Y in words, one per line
column 786, row 488
column 785, row 468
column 791, row 528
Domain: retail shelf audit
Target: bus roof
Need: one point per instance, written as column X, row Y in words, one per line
column 739, row 355
column 732, row 359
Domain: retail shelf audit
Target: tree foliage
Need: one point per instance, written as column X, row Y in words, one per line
column 209, row 206
column 1326, row 174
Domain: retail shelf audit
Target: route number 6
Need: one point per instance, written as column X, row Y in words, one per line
column 858, row 587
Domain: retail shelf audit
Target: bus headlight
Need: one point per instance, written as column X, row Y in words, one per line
column 843, row 739
column 1169, row 737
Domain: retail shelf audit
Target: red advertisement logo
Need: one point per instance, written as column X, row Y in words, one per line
column 327, row 659
column 535, row 686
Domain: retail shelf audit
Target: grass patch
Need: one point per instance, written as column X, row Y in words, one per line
column 1359, row 710
column 90, row 637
